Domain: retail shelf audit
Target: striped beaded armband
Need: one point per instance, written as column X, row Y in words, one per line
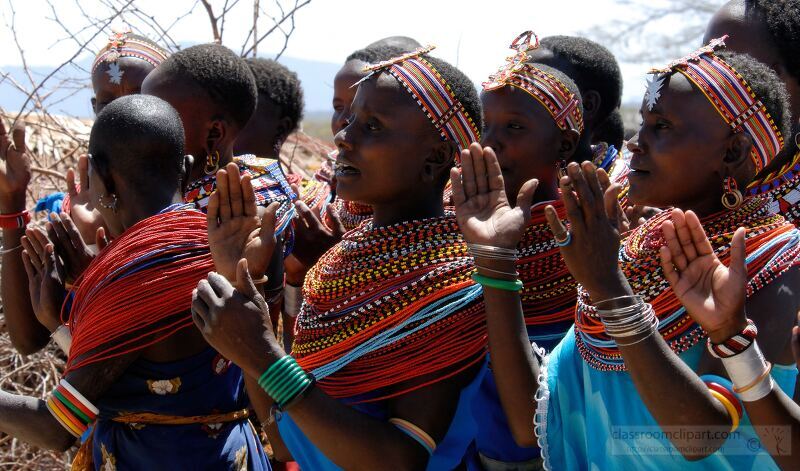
column 73, row 411
column 736, row 344
column 15, row 221
column 284, row 380
column 416, row 433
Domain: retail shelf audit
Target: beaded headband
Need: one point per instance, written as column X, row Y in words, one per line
column 730, row 95
column 121, row 45
column 432, row 93
column 562, row 104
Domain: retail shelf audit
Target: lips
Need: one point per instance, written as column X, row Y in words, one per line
column 344, row 169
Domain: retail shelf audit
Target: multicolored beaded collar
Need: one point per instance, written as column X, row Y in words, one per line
column 432, row 93
column 120, row 45
column 730, row 95
column 772, row 246
column 563, row 106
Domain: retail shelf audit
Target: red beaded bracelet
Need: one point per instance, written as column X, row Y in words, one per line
column 15, row 221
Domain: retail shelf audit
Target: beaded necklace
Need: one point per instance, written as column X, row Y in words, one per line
column 388, row 306
column 782, row 189
column 138, row 290
column 549, row 292
column 268, row 181
column 772, row 247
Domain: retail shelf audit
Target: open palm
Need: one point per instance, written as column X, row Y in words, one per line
column 81, row 209
column 15, row 170
column 482, row 209
column 713, row 294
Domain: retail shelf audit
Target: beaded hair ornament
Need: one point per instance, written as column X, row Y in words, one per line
column 432, row 93
column 120, row 45
column 730, row 95
column 562, row 105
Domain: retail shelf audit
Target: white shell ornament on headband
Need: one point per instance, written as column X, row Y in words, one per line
column 653, row 93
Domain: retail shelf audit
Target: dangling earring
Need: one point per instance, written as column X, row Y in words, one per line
column 732, row 198
column 561, row 167
column 112, row 205
column 212, row 163
column 797, row 140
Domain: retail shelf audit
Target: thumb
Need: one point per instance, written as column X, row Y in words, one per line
column 244, row 282
column 738, row 252
column 100, row 238
column 525, row 197
column 336, row 222
column 18, row 134
column 268, row 221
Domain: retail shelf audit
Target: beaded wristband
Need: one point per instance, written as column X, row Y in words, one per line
column 504, row 285
column 284, row 380
column 736, row 344
column 15, row 220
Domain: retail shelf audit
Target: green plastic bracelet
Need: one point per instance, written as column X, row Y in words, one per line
column 291, row 382
column 270, row 372
column 504, row 285
column 277, row 376
column 284, row 380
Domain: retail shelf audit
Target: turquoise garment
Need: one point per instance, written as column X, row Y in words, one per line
column 203, row 384
column 450, row 452
column 586, row 417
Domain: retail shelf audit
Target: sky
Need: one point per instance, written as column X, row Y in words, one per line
column 472, row 34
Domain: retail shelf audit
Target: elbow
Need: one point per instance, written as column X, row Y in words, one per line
column 26, row 345
column 281, row 454
column 524, row 438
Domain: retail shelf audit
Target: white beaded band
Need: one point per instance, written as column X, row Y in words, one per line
column 292, row 300
column 749, row 372
column 63, row 338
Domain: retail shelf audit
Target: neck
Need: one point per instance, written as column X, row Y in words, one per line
column 199, row 168
column 584, row 150
column 418, row 205
column 139, row 209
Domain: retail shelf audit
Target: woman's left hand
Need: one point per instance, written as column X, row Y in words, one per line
column 236, row 322
column 482, row 209
column 592, row 243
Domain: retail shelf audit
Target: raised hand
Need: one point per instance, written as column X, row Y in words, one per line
column 590, row 247
column 70, row 246
column 15, row 170
column 312, row 237
column 45, row 278
column 235, row 322
column 482, row 208
column 86, row 218
column 234, row 228
column 713, row 294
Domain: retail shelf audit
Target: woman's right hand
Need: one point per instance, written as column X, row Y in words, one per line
column 45, row 278
column 16, row 173
column 87, row 219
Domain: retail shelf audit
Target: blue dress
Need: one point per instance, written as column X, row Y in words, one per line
column 595, row 419
column 200, row 385
column 450, row 452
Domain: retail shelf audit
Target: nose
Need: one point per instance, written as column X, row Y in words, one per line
column 339, row 121
column 634, row 145
column 341, row 139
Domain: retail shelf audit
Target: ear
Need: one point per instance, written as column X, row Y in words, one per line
column 219, row 133
column 188, row 162
column 94, row 105
column 569, row 144
column 737, row 161
column 439, row 161
column 591, row 105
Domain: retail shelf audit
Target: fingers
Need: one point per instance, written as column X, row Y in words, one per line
column 29, row 268
column 249, row 197
column 100, row 238
column 224, row 195
column 200, row 311
column 456, row 183
column 668, row 266
column 83, row 171
column 18, row 135
column 221, row 286
column 479, row 166
column 698, row 234
column 525, row 197
column 677, row 257
column 270, row 218
column 37, row 242
column 574, row 213
column 307, row 217
column 235, row 190
column 468, row 171
column 244, row 281
column 684, row 235
column 611, row 204
column 603, row 178
column 208, row 295
column 71, row 230
column 72, row 190
column 212, row 211
column 337, row 224
column 556, row 226
column 593, row 182
column 33, row 255
column 60, row 231
column 738, row 252
column 494, row 175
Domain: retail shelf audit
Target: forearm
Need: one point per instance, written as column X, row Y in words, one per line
column 27, row 334
column 774, row 417
column 28, row 419
column 513, row 364
column 262, row 404
column 675, row 395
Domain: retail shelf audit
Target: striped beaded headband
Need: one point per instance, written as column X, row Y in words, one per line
column 730, row 95
column 562, row 104
column 432, row 93
column 121, row 45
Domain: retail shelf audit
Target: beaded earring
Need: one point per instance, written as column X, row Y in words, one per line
column 797, row 140
column 561, row 167
column 732, row 198
column 212, row 163
column 112, row 205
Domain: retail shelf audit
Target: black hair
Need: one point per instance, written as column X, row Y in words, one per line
column 462, row 87
column 140, row 137
column 280, row 85
column 782, row 19
column 402, row 42
column 373, row 54
column 564, row 79
column 612, row 130
column 592, row 67
column 222, row 74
